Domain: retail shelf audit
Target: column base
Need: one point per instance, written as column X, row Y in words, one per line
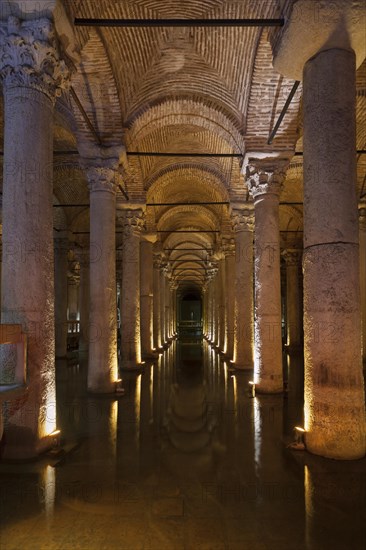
column 131, row 366
column 151, row 356
column 20, row 445
column 243, row 367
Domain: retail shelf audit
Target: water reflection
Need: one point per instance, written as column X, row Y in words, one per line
column 186, row 459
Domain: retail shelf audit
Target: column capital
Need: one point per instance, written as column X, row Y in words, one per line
column 228, row 246
column 362, row 217
column 263, row 179
column 292, row 256
column 149, row 237
column 30, row 56
column 133, row 222
column 243, row 219
column 102, row 179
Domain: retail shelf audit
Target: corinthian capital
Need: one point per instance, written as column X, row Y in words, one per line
column 133, row 222
column 243, row 219
column 262, row 180
column 30, row 57
column 102, row 179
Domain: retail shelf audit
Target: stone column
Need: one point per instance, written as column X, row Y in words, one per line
column 72, row 296
column 334, row 392
column 133, row 224
column 83, row 256
column 162, row 305
column 229, row 296
column 103, row 179
column 362, row 233
column 32, row 75
column 147, row 293
column 222, row 306
column 243, row 225
column 293, row 299
column 61, row 248
column 156, row 304
column 264, row 183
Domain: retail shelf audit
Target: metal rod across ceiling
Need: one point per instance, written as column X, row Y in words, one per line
column 146, row 23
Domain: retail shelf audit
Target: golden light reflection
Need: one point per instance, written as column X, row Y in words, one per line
column 151, row 392
column 113, row 417
column 137, row 407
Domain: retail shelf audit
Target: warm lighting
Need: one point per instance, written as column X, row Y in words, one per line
column 299, row 433
column 56, row 432
column 252, row 388
column 232, row 361
column 118, row 386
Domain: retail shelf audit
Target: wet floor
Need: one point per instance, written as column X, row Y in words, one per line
column 186, row 459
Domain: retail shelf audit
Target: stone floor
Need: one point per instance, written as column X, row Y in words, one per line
column 186, row 459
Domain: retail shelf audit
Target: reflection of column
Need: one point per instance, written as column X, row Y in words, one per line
column 156, row 303
column 293, row 306
column 102, row 178
column 133, row 223
column 229, row 296
column 243, row 225
column 61, row 247
column 334, row 394
column 83, row 256
column 362, row 231
column 264, row 184
column 32, row 75
column 146, row 293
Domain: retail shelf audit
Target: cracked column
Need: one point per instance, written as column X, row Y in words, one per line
column 103, row 180
column 147, row 294
column 293, row 298
column 61, row 248
column 334, row 406
column 264, row 183
column 133, row 223
column 229, row 295
column 243, row 225
column 362, row 232
column 32, row 74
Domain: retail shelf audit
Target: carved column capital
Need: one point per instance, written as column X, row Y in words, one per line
column 242, row 220
column 228, row 247
column 133, row 222
column 263, row 179
column 102, row 179
column 292, row 256
column 30, row 56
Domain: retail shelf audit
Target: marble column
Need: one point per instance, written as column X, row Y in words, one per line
column 61, row 248
column 362, row 236
column 264, row 183
column 32, row 75
column 243, row 225
column 73, row 296
column 162, row 305
column 229, row 296
column 222, row 302
column 293, row 299
column 83, row 256
column 147, row 293
column 133, row 224
column 103, row 177
column 156, row 304
column 334, row 390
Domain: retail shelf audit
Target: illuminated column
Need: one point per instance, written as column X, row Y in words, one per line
column 362, row 228
column 243, row 225
column 83, row 256
column 293, row 298
column 72, row 296
column 334, row 393
column 216, row 306
column 103, row 177
column 32, row 75
column 156, row 303
column 222, row 302
column 167, row 316
column 147, row 293
column 133, row 224
column 264, row 184
column 162, row 304
column 61, row 248
column 229, row 296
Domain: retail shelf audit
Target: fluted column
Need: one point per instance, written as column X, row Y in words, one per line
column 264, row 183
column 103, row 179
column 61, row 248
column 156, row 304
column 229, row 296
column 133, row 224
column 362, row 232
column 243, row 225
column 32, row 75
column 293, row 298
column 147, row 293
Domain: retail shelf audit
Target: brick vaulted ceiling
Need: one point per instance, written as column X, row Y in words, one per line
column 191, row 89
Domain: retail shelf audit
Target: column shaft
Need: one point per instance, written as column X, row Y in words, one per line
column 61, row 265
column 146, row 290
